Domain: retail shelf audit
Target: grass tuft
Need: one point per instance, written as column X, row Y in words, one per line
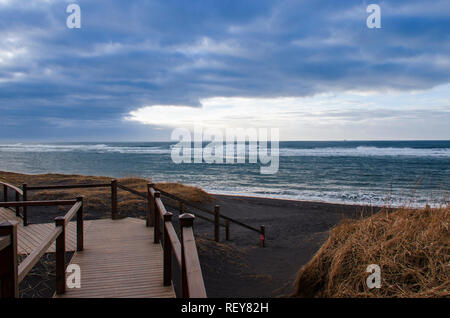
column 411, row 246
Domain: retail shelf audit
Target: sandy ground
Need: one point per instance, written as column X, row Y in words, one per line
column 295, row 230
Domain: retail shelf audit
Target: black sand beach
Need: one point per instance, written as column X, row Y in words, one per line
column 295, row 230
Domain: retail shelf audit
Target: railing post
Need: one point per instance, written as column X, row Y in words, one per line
column 60, row 257
column 24, row 209
column 262, row 236
column 5, row 193
column 227, row 230
column 167, row 252
column 217, row 223
column 181, row 207
column 17, row 207
column 114, row 199
column 80, row 231
column 186, row 220
column 157, row 229
column 150, row 205
column 9, row 287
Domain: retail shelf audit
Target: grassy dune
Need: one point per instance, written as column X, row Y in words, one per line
column 99, row 199
column 412, row 248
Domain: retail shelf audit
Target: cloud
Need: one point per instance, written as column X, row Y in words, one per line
column 310, row 117
column 131, row 54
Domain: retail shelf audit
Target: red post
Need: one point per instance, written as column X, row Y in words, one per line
column 9, row 287
column 262, row 236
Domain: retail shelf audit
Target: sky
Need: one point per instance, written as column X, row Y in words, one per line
column 136, row 70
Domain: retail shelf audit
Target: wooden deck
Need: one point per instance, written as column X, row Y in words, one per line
column 29, row 237
column 119, row 258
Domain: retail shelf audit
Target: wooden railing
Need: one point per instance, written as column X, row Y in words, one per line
column 183, row 204
column 18, row 193
column 11, row 274
column 113, row 185
column 184, row 251
column 218, row 219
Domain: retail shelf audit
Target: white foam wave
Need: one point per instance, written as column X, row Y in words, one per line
column 363, row 151
column 95, row 148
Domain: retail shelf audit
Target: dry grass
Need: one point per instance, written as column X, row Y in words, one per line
column 99, row 199
column 410, row 246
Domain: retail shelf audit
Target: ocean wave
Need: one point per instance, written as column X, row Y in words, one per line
column 94, row 148
column 363, row 151
column 398, row 199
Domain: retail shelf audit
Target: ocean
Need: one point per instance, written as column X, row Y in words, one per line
column 355, row 172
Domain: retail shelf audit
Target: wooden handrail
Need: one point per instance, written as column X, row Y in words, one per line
column 17, row 190
column 112, row 185
column 197, row 215
column 174, row 241
column 36, row 203
column 194, row 286
column 57, row 235
column 139, row 194
column 31, row 260
column 73, row 210
column 185, row 251
column 215, row 221
column 174, row 197
column 217, row 217
column 69, row 186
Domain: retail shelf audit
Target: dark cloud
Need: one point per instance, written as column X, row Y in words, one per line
column 134, row 53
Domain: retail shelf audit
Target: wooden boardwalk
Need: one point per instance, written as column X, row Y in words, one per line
column 119, row 258
column 29, row 237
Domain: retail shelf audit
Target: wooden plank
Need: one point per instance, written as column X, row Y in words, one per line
column 120, row 260
column 29, row 237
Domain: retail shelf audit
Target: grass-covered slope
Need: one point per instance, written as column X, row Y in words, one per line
column 412, row 248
